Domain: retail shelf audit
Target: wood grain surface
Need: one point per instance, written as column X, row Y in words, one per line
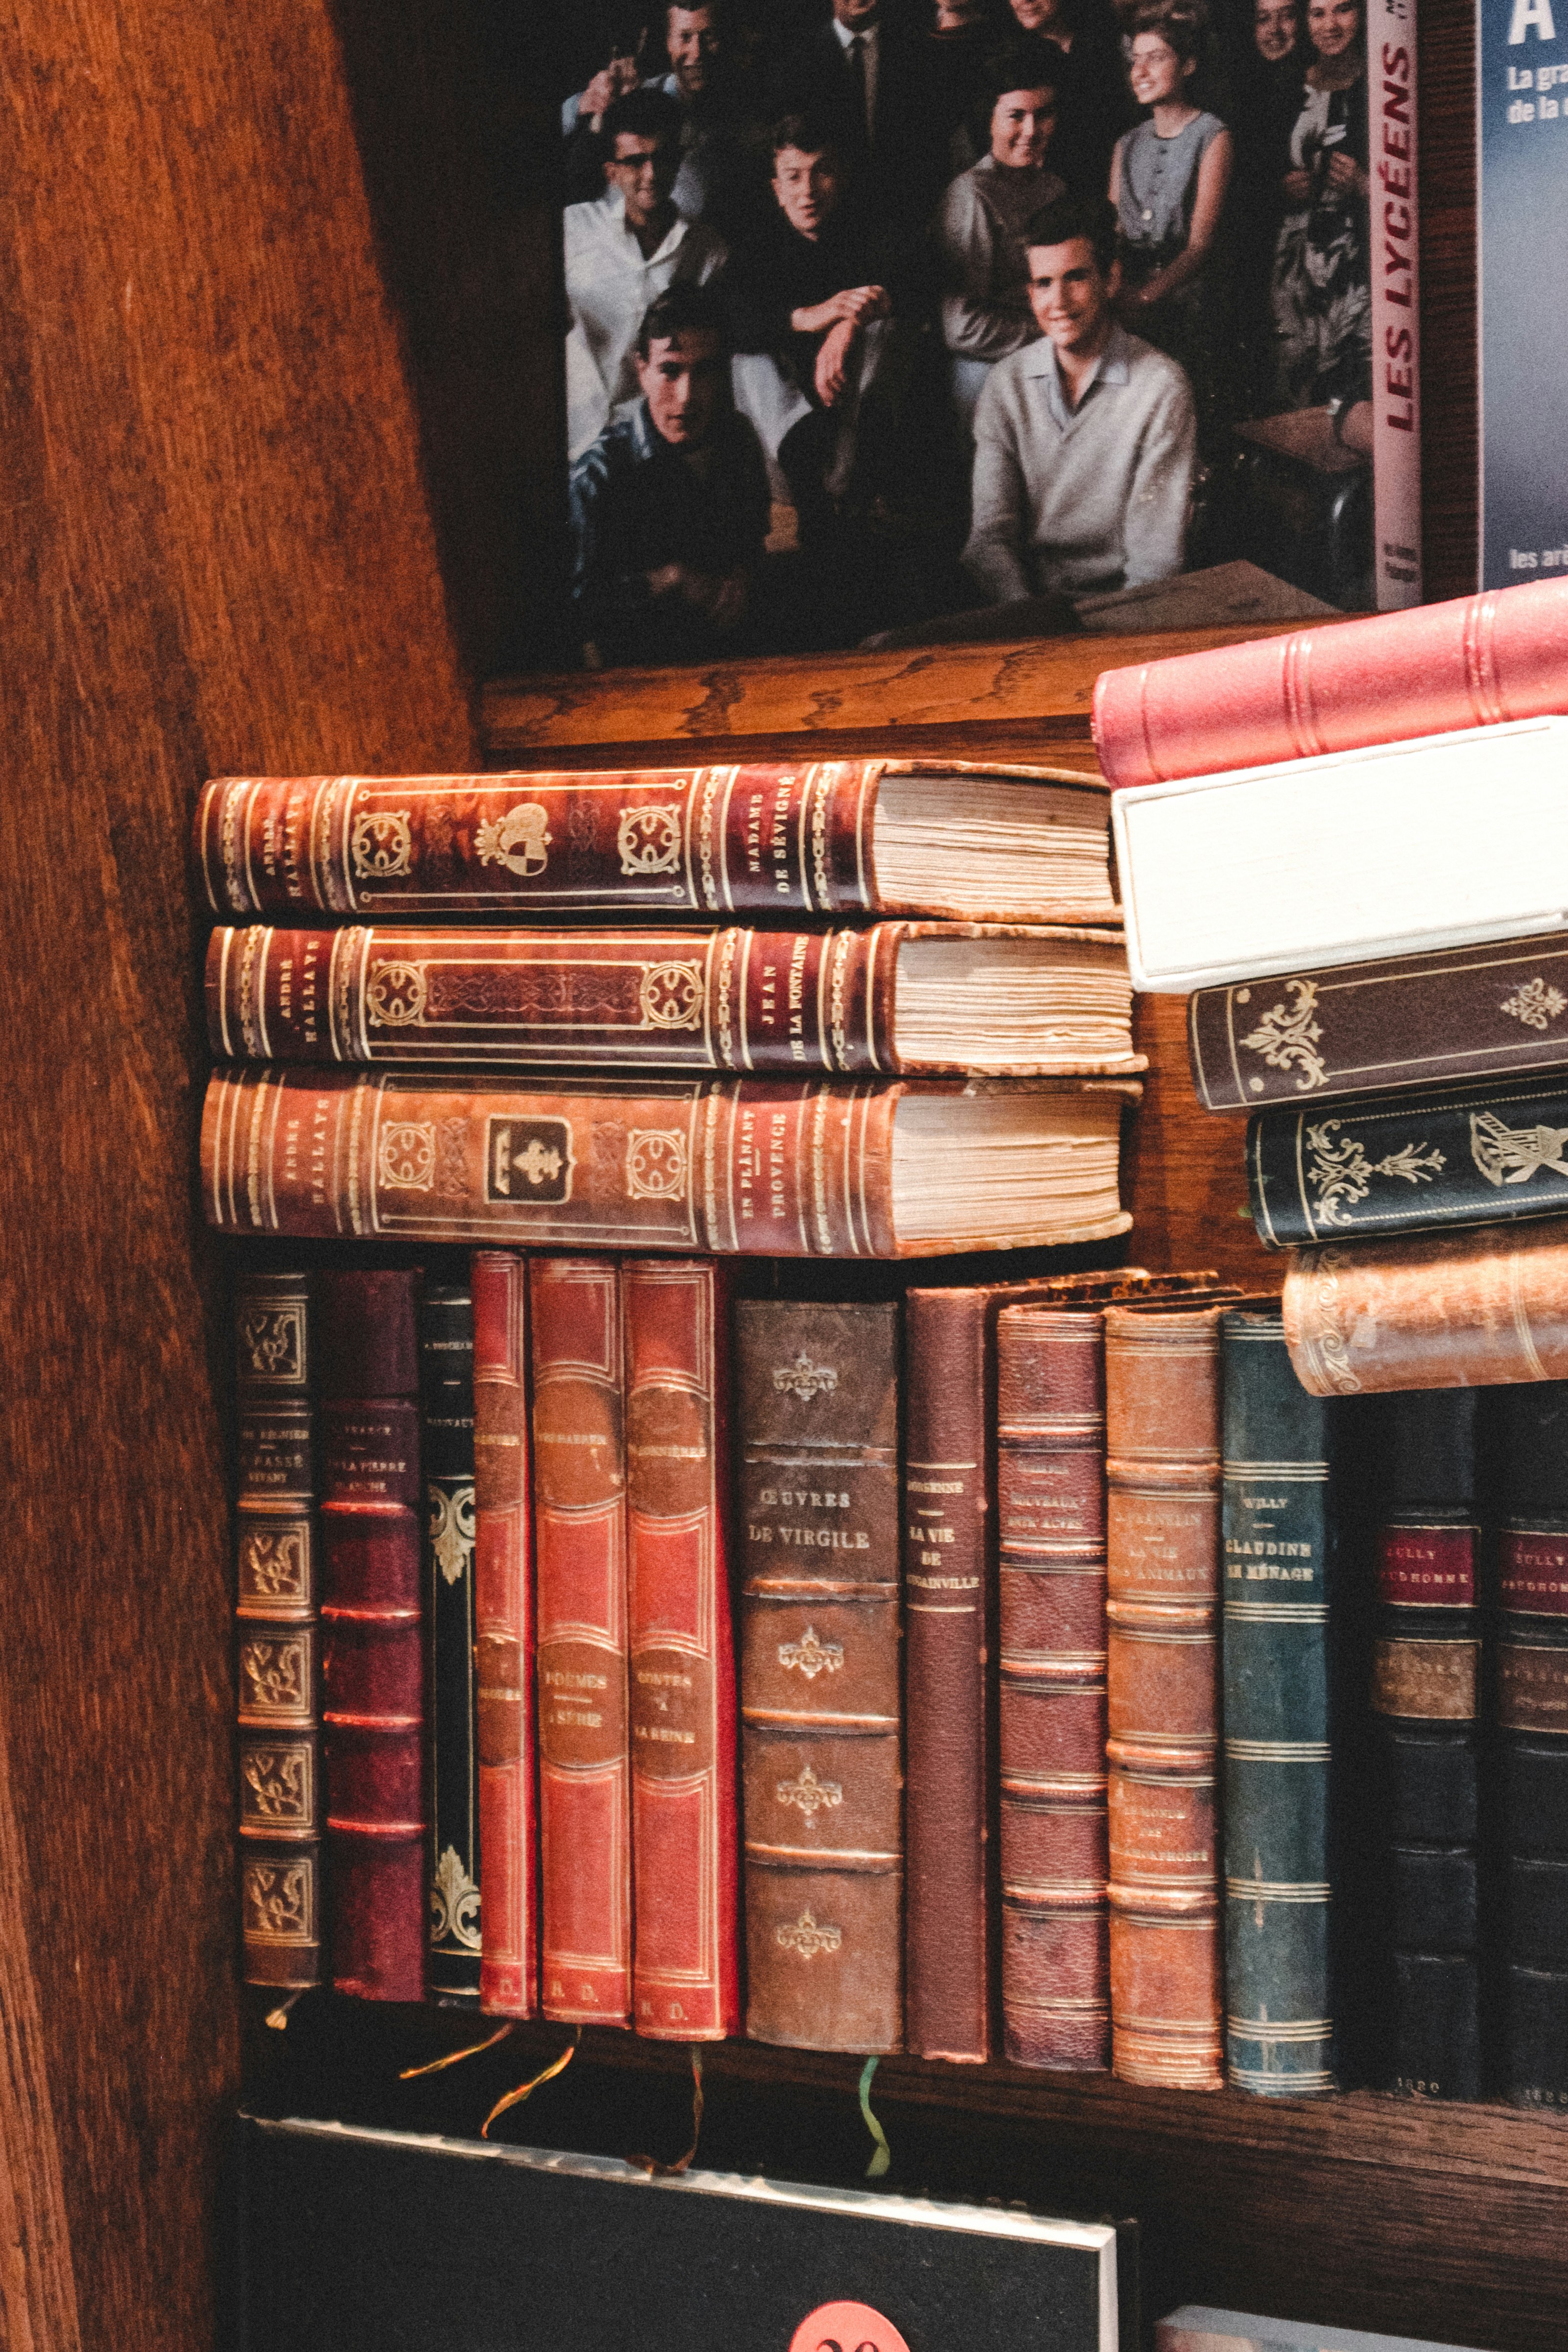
column 220, row 554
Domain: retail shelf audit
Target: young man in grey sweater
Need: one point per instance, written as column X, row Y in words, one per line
column 1085, row 445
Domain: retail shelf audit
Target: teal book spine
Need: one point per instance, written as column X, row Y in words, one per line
column 1277, row 1537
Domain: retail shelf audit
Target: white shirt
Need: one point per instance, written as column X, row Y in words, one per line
column 867, row 39
column 609, row 285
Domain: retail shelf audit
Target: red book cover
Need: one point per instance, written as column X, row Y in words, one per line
column 372, row 1669
column 1472, row 661
column 504, row 1629
column 579, row 1540
column 685, row 1826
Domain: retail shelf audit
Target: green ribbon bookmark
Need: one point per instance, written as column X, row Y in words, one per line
column 883, row 2156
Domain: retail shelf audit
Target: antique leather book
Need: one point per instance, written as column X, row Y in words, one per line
column 1467, row 663
column 1426, row 1688
column 1467, row 1309
column 504, row 1635
column 278, row 1572
column 1162, row 1556
column 778, row 1167
column 446, row 1454
column 953, row 838
column 580, row 1552
column 1531, row 1740
column 372, row 1668
column 1458, row 1156
column 1499, row 1010
column 817, row 1519
column 1403, row 847
column 685, row 1830
column 1280, row 1549
column 895, row 999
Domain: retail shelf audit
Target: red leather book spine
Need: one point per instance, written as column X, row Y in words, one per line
column 1473, row 662
column 1050, row 1484
column 948, row 1598
column 1480, row 1308
column 685, row 1854
column 373, row 1660
column 692, row 1000
column 638, row 842
column 579, row 1549
column 503, row 1631
column 278, row 1572
column 1162, row 1471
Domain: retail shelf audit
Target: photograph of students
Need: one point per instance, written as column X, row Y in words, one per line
column 1265, row 91
column 1092, row 106
column 721, row 134
column 1322, row 293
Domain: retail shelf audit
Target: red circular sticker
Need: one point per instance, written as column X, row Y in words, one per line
column 846, row 2327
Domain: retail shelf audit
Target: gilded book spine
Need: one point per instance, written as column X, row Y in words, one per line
column 278, row 1560
column 579, row 1535
column 1050, row 1487
column 1161, row 1470
column 1280, row 1540
column 504, row 1629
column 373, row 1678
column 446, row 1448
column 685, row 1854
column 818, row 1510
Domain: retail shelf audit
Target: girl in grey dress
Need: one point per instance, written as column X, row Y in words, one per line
column 1168, row 183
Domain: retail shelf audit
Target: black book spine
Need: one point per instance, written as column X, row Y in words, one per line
column 1408, row 1163
column 1531, row 1740
column 446, row 1408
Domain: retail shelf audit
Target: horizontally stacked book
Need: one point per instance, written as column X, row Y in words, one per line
column 642, row 1154
column 1372, row 926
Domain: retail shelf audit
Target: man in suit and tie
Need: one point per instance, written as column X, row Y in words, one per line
column 864, row 74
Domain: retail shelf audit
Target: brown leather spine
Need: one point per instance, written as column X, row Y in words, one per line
column 638, row 844
column 373, row 1664
column 685, row 1832
column 277, row 1566
column 1050, row 1445
column 580, row 1540
column 818, row 1517
column 1475, row 1308
column 1162, row 1472
column 504, row 1645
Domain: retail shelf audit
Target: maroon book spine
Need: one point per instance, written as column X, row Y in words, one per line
column 1473, row 662
column 504, row 1629
column 373, row 1666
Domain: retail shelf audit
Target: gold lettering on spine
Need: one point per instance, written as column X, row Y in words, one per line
column 728, row 947
column 712, row 778
column 843, row 948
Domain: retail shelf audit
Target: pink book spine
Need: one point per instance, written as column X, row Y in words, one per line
column 504, row 1629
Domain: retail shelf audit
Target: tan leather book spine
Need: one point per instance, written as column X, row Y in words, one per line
column 579, row 1540
column 503, row 1637
column 1479, row 1307
column 818, row 1524
column 1163, row 1474
column 277, row 1576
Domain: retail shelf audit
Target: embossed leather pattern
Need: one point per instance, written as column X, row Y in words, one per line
column 504, row 1620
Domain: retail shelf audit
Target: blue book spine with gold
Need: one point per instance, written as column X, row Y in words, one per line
column 1278, row 1545
column 447, row 1402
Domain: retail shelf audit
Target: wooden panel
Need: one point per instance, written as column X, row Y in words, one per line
column 220, row 554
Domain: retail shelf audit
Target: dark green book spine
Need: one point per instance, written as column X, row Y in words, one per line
column 446, row 1404
column 1408, row 1163
column 1278, row 1538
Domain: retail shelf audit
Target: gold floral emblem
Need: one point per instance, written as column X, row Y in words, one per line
column 1286, row 1035
column 451, row 1527
column 382, row 844
column 1535, row 1003
column 656, row 1165
column 649, row 840
column 670, row 996
column 396, row 994
column 807, row 1938
column 518, row 841
column 405, row 1155
column 454, row 1904
column 1342, row 1173
column 810, row 1656
column 804, row 1379
column 810, row 1793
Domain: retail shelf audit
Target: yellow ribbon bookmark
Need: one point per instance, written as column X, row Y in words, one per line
column 515, row 2098
column 454, row 2057
column 884, row 2155
column 650, row 2164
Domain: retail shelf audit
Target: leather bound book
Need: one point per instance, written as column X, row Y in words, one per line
column 818, row 1520
column 277, row 1568
column 372, row 1668
column 579, row 1552
column 446, row 1453
column 832, row 836
column 777, row 1167
column 897, row 998
column 1407, row 1164
column 1279, row 1546
column 1532, row 1740
column 686, row 1833
column 1474, row 1309
column 1426, row 1688
column 1496, row 1010
column 1162, row 1472
column 503, row 1631
column 1467, row 663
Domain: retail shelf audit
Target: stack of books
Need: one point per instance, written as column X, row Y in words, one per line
column 1349, row 845
column 487, row 1682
